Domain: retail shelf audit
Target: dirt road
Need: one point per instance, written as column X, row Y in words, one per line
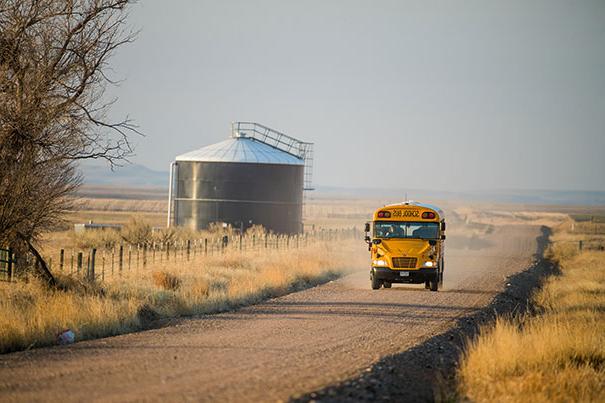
column 276, row 350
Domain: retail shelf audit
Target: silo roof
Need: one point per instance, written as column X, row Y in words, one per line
column 241, row 149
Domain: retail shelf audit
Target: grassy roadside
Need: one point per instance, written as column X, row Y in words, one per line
column 557, row 355
column 33, row 315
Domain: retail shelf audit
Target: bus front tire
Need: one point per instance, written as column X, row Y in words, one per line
column 386, row 284
column 376, row 283
column 441, row 267
column 434, row 283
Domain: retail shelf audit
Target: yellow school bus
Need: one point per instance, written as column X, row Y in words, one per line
column 406, row 243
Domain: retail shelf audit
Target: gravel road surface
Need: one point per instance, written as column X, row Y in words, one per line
column 281, row 349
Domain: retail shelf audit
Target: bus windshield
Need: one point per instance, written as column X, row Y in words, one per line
column 398, row 229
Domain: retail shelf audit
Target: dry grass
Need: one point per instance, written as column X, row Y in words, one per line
column 33, row 315
column 125, row 205
column 165, row 280
column 557, row 356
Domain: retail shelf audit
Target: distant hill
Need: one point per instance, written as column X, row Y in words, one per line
column 132, row 175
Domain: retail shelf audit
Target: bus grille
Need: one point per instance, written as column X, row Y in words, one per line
column 404, row 262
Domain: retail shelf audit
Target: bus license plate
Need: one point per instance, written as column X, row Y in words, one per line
column 404, row 273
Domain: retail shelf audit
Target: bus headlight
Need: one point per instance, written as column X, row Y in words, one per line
column 379, row 262
column 428, row 264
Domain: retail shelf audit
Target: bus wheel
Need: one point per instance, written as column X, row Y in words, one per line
column 427, row 284
column 434, row 283
column 376, row 283
column 386, row 284
column 441, row 267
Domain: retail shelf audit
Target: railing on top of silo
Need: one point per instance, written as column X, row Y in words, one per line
column 280, row 141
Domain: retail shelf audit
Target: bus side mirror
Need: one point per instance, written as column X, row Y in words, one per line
column 367, row 239
column 432, row 242
column 367, row 227
column 376, row 241
column 443, row 237
column 442, row 225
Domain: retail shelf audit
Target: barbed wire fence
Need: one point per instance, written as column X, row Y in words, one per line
column 102, row 263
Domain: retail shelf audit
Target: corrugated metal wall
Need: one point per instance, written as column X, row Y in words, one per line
column 267, row 194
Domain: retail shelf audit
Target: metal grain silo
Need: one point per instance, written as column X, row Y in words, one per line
column 257, row 176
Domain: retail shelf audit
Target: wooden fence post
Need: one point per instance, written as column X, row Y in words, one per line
column 9, row 266
column 79, row 262
column 93, row 257
column 61, row 259
column 144, row 255
column 188, row 248
column 121, row 259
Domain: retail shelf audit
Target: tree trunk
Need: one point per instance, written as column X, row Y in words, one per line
column 41, row 266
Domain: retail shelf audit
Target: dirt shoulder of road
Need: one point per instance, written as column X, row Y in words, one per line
column 427, row 372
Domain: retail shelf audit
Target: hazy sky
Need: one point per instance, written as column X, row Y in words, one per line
column 444, row 95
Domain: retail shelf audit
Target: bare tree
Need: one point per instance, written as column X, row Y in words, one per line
column 54, row 70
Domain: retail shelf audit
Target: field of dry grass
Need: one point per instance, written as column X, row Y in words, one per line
column 559, row 354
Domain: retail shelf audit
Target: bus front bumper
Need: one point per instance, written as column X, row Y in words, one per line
column 413, row 276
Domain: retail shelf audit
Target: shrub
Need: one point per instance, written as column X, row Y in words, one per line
column 218, row 228
column 165, row 235
column 256, row 230
column 137, row 232
column 200, row 287
column 106, row 238
column 166, row 280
